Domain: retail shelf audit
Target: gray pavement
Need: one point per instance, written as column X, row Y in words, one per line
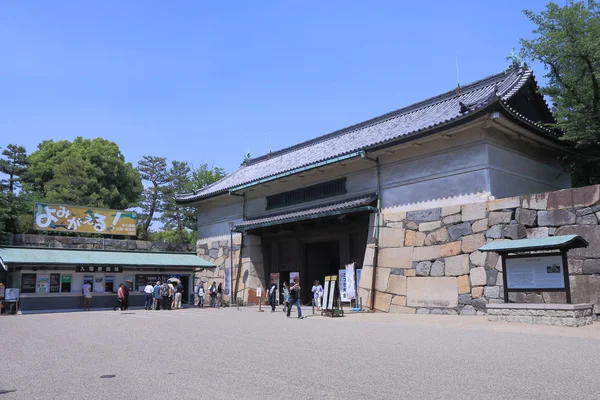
column 225, row 354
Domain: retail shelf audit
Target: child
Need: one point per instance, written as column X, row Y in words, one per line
column 286, row 296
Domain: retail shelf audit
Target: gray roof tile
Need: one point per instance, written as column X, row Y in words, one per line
column 414, row 119
column 309, row 213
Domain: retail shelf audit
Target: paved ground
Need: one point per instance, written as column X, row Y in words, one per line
column 225, row 354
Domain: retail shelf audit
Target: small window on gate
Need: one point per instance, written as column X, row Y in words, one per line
column 306, row 194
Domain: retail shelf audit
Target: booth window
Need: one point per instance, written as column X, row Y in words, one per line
column 109, row 283
column 65, row 283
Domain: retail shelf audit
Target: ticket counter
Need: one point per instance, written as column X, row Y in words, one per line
column 52, row 279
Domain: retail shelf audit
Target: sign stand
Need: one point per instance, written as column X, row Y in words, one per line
column 332, row 304
column 259, row 295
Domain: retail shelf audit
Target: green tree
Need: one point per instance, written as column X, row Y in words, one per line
column 174, row 215
column 86, row 172
column 12, row 209
column 154, row 170
column 567, row 43
column 13, row 165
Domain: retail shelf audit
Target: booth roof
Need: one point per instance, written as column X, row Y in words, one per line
column 45, row 256
column 548, row 243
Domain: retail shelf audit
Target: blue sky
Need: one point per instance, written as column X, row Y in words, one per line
column 207, row 81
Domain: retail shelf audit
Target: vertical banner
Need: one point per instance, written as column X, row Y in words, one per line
column 342, row 286
column 325, row 294
column 358, row 275
column 350, row 282
column 227, row 281
column 331, row 292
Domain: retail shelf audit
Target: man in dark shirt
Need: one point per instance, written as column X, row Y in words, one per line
column 295, row 298
column 126, row 295
column 272, row 293
column 178, row 295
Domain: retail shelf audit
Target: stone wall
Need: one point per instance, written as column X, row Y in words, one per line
column 429, row 263
column 248, row 268
column 71, row 242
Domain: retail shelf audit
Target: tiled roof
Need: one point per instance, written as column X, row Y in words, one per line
column 414, row 119
column 309, row 213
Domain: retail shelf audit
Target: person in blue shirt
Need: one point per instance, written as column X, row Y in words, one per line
column 157, row 296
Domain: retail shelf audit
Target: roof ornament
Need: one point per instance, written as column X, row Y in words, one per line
column 516, row 61
column 247, row 158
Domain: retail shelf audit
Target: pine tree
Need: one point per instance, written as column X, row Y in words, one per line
column 14, row 165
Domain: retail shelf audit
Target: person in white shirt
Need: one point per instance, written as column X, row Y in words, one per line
column 87, row 296
column 201, row 294
column 149, row 290
column 317, row 290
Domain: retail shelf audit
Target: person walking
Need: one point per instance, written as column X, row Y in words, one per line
column 120, row 296
column 149, row 290
column 87, row 296
column 126, row 296
column 286, row 296
column 201, row 294
column 272, row 294
column 220, row 295
column 164, row 296
column 212, row 291
column 178, row 295
column 295, row 298
column 157, row 296
column 317, row 290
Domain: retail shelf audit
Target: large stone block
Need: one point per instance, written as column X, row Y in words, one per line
column 438, row 236
column 463, row 285
column 410, row 238
column 591, row 233
column 591, row 266
column 474, row 211
column 381, row 279
column 560, row 199
column 478, row 258
column 436, row 292
column 457, row 265
column 492, row 278
column 515, row 231
column 383, row 301
column 399, row 300
column 576, row 266
column 394, row 216
column 451, row 219
column 423, row 268
column 556, row 218
column 586, row 196
column 366, row 278
column 472, row 242
column 391, row 237
column 478, row 276
column 394, row 309
column 437, row 268
column 538, row 201
column 526, row 217
column 480, row 303
column 477, row 292
column 491, row 292
column 426, row 253
column 535, row 233
column 429, row 226
column 500, row 217
column 589, row 219
column 397, row 285
column 495, row 232
column 433, row 214
column 450, row 210
column 369, row 256
column 500, row 204
column 400, row 257
column 480, row 226
column 457, row 231
column 451, row 249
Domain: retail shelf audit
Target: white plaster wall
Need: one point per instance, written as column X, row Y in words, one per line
column 513, row 173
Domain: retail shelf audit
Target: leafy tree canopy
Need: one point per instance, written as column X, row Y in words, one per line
column 567, row 43
column 154, row 170
column 83, row 172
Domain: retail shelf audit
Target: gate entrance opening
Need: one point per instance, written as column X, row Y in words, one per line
column 322, row 259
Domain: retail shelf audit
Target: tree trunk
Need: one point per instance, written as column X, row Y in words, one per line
column 151, row 211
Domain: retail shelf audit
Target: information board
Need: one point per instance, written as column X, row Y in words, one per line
column 28, row 282
column 343, row 285
column 331, row 292
column 54, row 283
column 325, row 304
column 350, row 282
column 538, row 272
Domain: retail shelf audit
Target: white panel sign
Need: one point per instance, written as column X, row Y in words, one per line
column 535, row 273
column 325, row 295
column 258, row 292
column 350, row 283
column 331, row 294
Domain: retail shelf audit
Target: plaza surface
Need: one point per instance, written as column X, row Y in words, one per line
column 225, row 354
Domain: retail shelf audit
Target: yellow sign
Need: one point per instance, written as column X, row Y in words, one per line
column 61, row 218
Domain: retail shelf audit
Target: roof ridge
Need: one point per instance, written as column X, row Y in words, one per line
column 471, row 86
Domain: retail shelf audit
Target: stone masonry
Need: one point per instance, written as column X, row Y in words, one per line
column 429, row 263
